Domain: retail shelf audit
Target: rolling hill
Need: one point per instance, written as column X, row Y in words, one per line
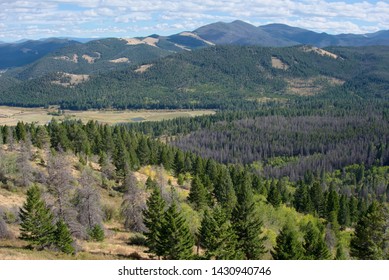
column 19, row 54
column 240, row 33
column 219, row 33
column 214, row 77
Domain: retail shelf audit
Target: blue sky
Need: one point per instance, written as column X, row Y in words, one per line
column 129, row 18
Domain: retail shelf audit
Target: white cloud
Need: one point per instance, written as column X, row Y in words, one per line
column 83, row 17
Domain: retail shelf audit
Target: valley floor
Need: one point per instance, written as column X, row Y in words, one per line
column 13, row 115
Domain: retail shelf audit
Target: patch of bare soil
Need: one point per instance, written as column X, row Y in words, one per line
column 91, row 59
column 120, row 60
column 143, row 68
column 319, row 51
column 278, row 63
column 74, row 58
column 71, row 80
column 311, row 86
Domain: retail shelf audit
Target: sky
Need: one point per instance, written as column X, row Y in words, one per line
column 31, row 19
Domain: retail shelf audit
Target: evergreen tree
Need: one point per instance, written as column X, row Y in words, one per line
column 150, row 184
column 217, row 236
column 198, row 194
column 121, row 157
column 42, row 138
column 63, row 239
column 36, row 220
column 175, row 242
column 340, row 254
column 152, row 219
column 274, row 196
column 165, row 158
column 288, row 246
column 344, row 214
column 198, row 167
column 179, row 162
column 332, row 202
column 20, row 131
column 353, row 210
column 302, row 199
column 143, row 152
column 314, row 244
column 248, row 225
column 224, row 190
column 317, row 198
column 368, row 242
column 96, row 233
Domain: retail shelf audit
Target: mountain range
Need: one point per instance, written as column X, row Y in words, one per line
column 219, row 33
column 215, row 66
column 217, row 77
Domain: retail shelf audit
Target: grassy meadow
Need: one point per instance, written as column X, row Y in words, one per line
column 13, row 115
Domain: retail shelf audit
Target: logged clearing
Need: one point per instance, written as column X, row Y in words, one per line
column 148, row 41
column 278, row 63
column 74, row 58
column 319, row 51
column 311, row 86
column 71, row 80
column 91, row 59
column 12, row 115
column 120, row 60
column 143, row 68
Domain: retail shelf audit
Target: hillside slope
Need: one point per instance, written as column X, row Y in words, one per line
column 214, row 77
column 18, row 54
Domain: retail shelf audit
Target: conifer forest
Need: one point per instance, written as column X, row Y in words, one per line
column 270, row 175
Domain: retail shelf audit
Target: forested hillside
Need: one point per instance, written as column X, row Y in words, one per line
column 85, row 178
column 225, row 77
column 291, row 146
column 294, row 164
column 90, row 58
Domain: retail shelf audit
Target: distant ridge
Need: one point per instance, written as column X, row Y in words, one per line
column 220, row 33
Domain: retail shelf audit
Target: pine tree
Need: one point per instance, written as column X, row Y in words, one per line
column 143, row 152
column 198, row 194
column 20, row 131
column 344, row 214
column 248, row 225
column 217, row 236
column 314, row 244
column 332, row 202
column 317, row 198
column 152, row 218
column 353, row 210
column 179, row 162
column 368, row 242
column 288, row 246
column 175, row 242
column 96, row 233
column 36, row 220
column 150, row 184
column 302, row 200
column 42, row 138
column 224, row 190
column 340, row 254
column 63, row 239
column 274, row 196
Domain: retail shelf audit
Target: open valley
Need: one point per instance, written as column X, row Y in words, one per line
column 13, row 115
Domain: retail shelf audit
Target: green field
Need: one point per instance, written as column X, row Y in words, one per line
column 12, row 115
